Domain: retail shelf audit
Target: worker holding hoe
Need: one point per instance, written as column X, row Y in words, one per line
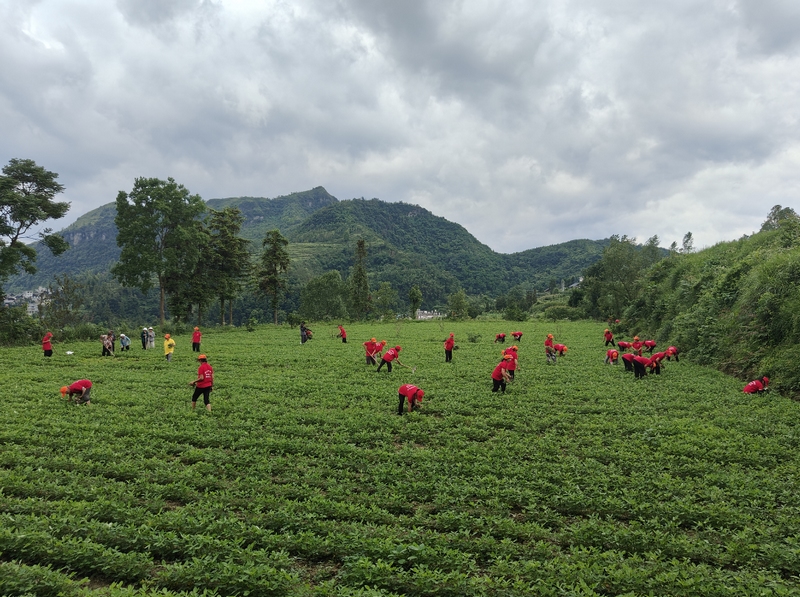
column 411, row 394
column 342, row 334
column 513, row 364
column 370, row 348
column 204, row 383
column 609, row 337
column 78, row 392
column 549, row 350
column 393, row 354
column 169, row 347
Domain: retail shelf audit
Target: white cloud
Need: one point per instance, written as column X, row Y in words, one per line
column 531, row 125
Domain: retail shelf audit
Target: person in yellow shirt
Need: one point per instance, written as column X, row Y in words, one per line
column 169, row 347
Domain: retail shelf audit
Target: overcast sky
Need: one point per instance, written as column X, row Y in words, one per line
column 530, row 124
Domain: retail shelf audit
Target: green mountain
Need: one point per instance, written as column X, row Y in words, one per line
column 406, row 245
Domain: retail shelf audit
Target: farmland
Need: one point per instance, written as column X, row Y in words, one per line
column 304, row 481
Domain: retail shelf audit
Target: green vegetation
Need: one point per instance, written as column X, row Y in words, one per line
column 304, row 481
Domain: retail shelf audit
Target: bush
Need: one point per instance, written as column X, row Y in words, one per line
column 563, row 312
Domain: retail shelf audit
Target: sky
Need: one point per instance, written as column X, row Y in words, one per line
column 528, row 123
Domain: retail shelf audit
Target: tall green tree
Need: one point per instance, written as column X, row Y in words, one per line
column 458, row 305
column 324, row 297
column 360, row 301
column 26, row 199
column 190, row 283
column 271, row 276
column 157, row 233
column 414, row 300
column 228, row 262
column 385, row 300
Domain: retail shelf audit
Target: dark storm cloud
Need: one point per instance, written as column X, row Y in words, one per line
column 529, row 124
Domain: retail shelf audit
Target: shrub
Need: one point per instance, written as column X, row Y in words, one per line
column 563, row 312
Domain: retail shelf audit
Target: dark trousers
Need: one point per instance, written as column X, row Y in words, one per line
column 611, row 342
column 639, row 369
column 48, row 353
column 344, row 340
column 511, row 373
column 206, row 392
column 106, row 352
column 403, row 400
column 628, row 366
column 499, row 384
column 371, row 360
column 195, row 347
column 448, row 356
column 387, row 363
column 144, row 343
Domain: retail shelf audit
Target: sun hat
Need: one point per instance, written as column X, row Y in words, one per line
column 397, row 348
column 166, row 336
column 64, row 390
column 507, row 357
column 202, row 357
column 196, row 329
column 372, row 340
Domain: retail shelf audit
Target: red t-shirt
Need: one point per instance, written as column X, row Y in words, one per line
column 659, row 356
column 78, row 386
column 650, row 343
column 46, row 342
column 207, row 373
column 369, row 347
column 643, row 360
column 498, row 371
column 559, row 347
column 342, row 332
column 408, row 390
column 612, row 354
column 517, row 335
column 500, row 337
column 624, row 345
column 390, row 355
column 753, row 387
column 449, row 343
column 673, row 350
column 628, row 356
column 512, row 364
column 196, row 337
column 608, row 336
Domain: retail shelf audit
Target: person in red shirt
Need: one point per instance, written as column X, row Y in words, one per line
column 393, row 354
column 78, row 391
column 500, row 376
column 411, row 394
column 513, row 364
column 627, row 360
column 204, row 383
column 637, row 345
column 370, row 348
column 672, row 351
column 197, row 336
column 612, row 355
column 342, row 334
column 560, row 349
column 639, row 365
column 624, row 345
column 649, row 346
column 549, row 351
column 501, row 338
column 609, row 337
column 757, row 386
column 47, row 345
column 517, row 336
column 448, row 348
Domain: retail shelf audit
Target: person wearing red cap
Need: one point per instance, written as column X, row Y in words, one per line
column 204, row 383
column 197, row 337
column 411, row 394
column 501, row 338
column 549, row 350
column 612, row 355
column 393, row 354
column 342, row 334
column 636, row 345
column 513, row 364
column 757, row 386
column 609, row 337
column 500, row 376
column 47, row 345
column 448, row 348
column 78, row 391
column 517, row 336
column 370, row 348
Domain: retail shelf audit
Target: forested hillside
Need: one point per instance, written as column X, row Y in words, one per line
column 406, row 246
column 735, row 305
